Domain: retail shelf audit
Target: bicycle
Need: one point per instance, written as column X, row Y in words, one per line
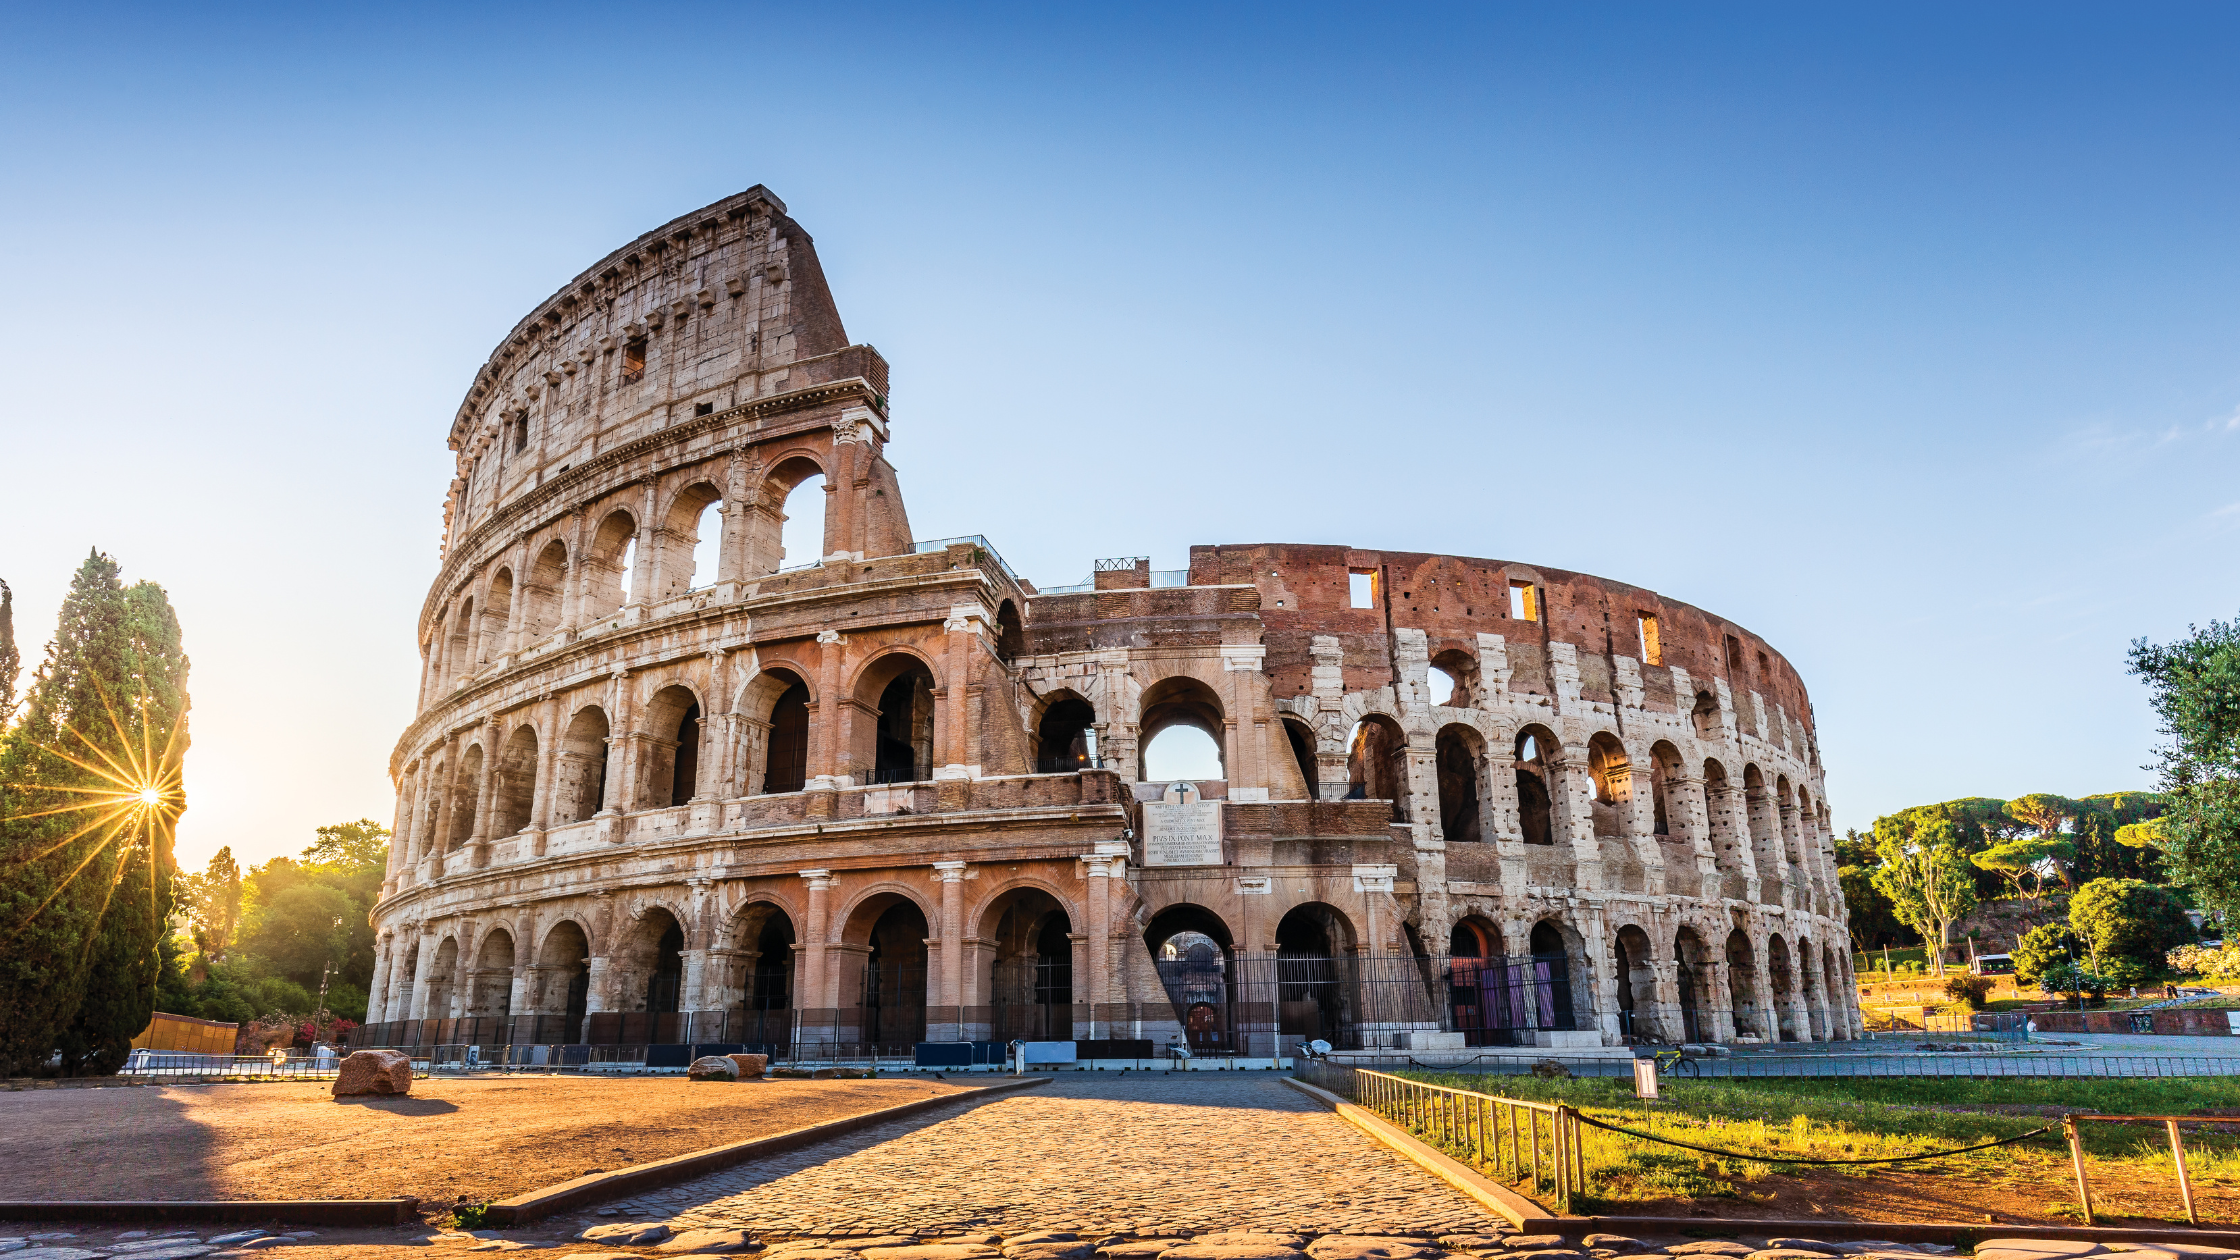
column 1676, row 1062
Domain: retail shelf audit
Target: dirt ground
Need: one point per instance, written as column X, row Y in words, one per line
column 2028, row 1198
column 480, row 1139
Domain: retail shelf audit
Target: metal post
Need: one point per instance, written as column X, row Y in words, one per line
column 1516, row 1157
column 1532, row 1121
column 2076, row 1158
column 2185, row 1186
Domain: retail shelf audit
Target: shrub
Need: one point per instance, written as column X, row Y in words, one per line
column 1970, row 989
column 2216, row 963
column 2065, row 978
column 2041, row 948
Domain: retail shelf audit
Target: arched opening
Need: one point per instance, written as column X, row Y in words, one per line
column 1781, row 979
column 512, row 796
column 1836, row 994
column 1612, row 775
column 898, row 748
column 1535, row 806
column 1461, row 757
column 1190, row 947
column 1726, row 836
column 1481, row 984
column 1762, row 818
column 1302, row 751
column 465, row 790
column 1461, row 688
column 1314, row 975
column 607, row 577
column 783, row 763
column 1689, row 951
column 564, row 982
column 442, row 979
column 1636, row 982
column 801, row 539
column 582, row 770
column 1551, row 979
column 1664, row 771
column 1011, row 637
column 766, row 943
column 1181, row 728
column 1808, row 988
column 1377, row 764
column 657, row 964
column 1706, row 717
column 671, row 771
column 1030, row 972
column 1066, row 737
column 409, row 980
column 496, row 609
column 695, row 541
column 540, row 615
column 493, row 976
column 1742, row 985
column 890, row 932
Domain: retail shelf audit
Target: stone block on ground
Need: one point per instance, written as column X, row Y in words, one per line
column 1788, row 1253
column 751, row 1066
column 236, row 1238
column 1474, row 1242
column 1536, row 1242
column 1372, row 1247
column 373, row 1073
column 1050, row 1251
column 706, row 1242
column 1803, row 1244
column 712, row 1067
column 1139, row 1249
column 1042, row 1236
column 176, row 1250
column 55, row 1253
column 1249, row 1238
column 1195, row 1250
column 932, row 1251
column 625, row 1234
column 1618, row 1242
column 2183, row 1251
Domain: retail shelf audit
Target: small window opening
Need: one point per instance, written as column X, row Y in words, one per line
column 629, row 566
column 703, row 409
column 707, row 547
column 633, row 360
column 1652, row 647
column 520, row 435
column 1734, row 653
column 1765, row 666
column 1442, row 686
column 1524, row 601
column 1361, row 586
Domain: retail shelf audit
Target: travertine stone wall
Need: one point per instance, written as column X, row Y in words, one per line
column 865, row 780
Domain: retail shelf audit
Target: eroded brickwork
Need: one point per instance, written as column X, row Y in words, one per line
column 892, row 793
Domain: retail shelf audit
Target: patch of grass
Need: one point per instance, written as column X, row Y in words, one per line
column 470, row 1216
column 1835, row 1119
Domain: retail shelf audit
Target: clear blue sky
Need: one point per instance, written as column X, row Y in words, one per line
column 1902, row 334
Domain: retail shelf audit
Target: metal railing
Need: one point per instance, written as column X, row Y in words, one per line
column 169, row 1064
column 1471, row 1126
column 1955, row 1065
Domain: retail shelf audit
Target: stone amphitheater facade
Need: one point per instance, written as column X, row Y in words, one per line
column 894, row 793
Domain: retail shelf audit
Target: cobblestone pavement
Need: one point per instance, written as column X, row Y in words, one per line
column 1138, row 1154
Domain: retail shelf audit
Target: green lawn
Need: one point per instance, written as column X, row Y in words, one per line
column 1870, row 1118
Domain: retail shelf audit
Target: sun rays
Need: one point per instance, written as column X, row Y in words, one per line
column 137, row 797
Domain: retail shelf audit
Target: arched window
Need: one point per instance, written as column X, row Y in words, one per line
column 1535, row 805
column 789, row 741
column 547, row 578
column 1461, row 757
column 707, row 544
column 1376, row 765
column 516, row 789
column 1302, row 751
column 1182, row 730
column 496, row 610
column 466, row 790
column 802, row 541
column 583, row 767
column 671, row 765
column 1066, row 738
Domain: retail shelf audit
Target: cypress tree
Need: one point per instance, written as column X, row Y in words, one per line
column 85, row 862
column 11, row 660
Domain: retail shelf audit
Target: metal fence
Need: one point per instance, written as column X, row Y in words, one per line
column 1861, row 1064
column 1490, row 1133
column 174, row 1065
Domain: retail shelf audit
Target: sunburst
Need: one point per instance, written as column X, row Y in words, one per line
column 138, row 796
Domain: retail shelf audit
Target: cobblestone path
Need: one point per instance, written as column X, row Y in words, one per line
column 1091, row 1152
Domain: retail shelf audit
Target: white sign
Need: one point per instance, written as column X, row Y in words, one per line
column 1182, row 833
column 1645, row 1078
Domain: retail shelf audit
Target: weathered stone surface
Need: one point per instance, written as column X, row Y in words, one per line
column 1042, row 1236
column 56, row 1253
column 626, row 1234
column 1532, row 1242
column 2042, row 1246
column 1233, row 1251
column 170, row 1251
column 712, row 1067
column 1788, row 1253
column 1803, row 1244
column 236, row 1238
column 706, row 1242
column 1619, row 1242
column 1711, row 1247
column 1249, row 1238
column 2190, row 1251
column 751, row 1066
column 386, row 1072
column 1474, row 1242
column 1139, row 1248
column 1050, row 1251
column 931, row 1251
column 1353, row 1247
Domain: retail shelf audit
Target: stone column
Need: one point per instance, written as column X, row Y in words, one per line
column 1374, row 882
column 492, row 767
column 951, row 877
column 1573, row 807
column 953, row 752
column 827, row 735
column 377, row 994
column 424, row 967
column 815, row 936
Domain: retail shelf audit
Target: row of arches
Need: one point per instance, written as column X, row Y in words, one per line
column 696, row 539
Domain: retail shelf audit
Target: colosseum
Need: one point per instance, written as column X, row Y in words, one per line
column 669, row 787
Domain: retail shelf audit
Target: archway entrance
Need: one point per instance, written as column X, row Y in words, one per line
column 1190, row 946
column 1480, row 979
column 894, row 979
column 1030, row 984
column 1551, row 979
column 1314, row 977
column 763, row 1020
column 564, row 983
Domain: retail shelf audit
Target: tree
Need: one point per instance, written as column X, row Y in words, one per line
column 2044, row 946
column 2024, row 861
column 303, row 931
column 353, row 847
column 1871, row 919
column 213, row 903
column 89, row 793
column 11, row 661
column 2128, row 927
column 2195, row 689
column 1979, row 822
column 1929, row 883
